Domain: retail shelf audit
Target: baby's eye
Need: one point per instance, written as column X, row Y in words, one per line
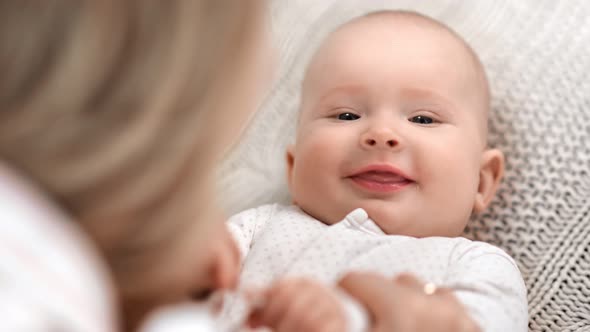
column 347, row 116
column 422, row 119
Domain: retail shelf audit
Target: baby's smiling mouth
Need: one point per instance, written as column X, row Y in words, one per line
column 380, row 179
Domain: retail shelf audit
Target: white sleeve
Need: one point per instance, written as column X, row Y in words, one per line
column 49, row 284
column 18, row 313
column 51, row 277
column 488, row 283
column 246, row 225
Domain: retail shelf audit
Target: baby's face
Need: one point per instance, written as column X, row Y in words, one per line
column 393, row 121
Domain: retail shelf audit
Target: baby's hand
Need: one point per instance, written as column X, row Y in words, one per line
column 298, row 304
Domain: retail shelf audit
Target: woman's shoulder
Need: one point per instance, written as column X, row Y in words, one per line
column 47, row 264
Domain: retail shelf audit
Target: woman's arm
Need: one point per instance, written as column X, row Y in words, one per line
column 482, row 287
column 405, row 304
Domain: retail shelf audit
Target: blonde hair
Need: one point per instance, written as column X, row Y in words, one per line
column 102, row 104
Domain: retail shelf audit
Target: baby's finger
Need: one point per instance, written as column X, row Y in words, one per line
column 368, row 289
column 277, row 301
column 315, row 308
column 332, row 325
column 296, row 315
column 326, row 319
column 258, row 301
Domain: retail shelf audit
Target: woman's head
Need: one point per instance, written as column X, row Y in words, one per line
column 120, row 109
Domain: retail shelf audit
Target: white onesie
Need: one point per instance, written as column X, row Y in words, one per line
column 278, row 241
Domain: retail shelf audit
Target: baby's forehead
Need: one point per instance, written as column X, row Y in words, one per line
column 391, row 38
column 404, row 30
column 398, row 26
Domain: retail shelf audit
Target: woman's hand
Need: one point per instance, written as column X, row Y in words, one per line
column 299, row 304
column 404, row 304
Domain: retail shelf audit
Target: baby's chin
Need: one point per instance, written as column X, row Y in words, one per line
column 418, row 226
column 326, row 213
column 396, row 220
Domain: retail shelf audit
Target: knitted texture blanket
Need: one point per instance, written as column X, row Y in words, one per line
column 537, row 56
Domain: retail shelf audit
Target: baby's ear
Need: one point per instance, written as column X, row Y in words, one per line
column 490, row 174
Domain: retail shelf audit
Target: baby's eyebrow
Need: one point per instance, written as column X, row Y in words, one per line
column 344, row 90
column 427, row 94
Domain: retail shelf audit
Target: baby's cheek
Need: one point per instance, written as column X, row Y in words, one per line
column 448, row 176
column 316, row 155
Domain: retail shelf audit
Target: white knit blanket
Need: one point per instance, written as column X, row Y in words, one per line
column 537, row 55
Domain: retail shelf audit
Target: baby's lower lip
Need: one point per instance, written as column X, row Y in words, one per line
column 380, row 186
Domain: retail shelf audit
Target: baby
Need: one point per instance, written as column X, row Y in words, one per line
column 389, row 163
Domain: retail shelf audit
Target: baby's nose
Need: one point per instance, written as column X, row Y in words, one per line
column 379, row 139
